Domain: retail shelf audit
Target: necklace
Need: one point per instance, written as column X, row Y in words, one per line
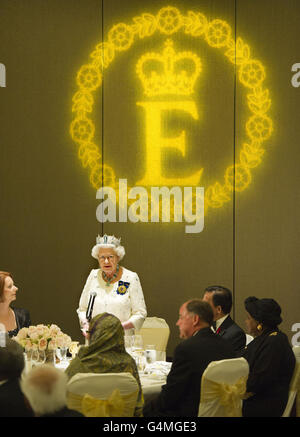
column 109, row 280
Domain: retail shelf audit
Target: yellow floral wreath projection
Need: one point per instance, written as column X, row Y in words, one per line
column 217, row 34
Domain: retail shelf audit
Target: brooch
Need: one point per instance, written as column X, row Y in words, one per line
column 122, row 287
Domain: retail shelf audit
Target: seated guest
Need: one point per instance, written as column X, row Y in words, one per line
column 45, row 388
column 12, row 401
column 271, row 360
column 12, row 318
column 106, row 353
column 220, row 299
column 180, row 396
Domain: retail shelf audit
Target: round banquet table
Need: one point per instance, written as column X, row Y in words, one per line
column 151, row 384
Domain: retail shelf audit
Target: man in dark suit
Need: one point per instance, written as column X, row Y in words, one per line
column 180, row 396
column 12, row 401
column 220, row 300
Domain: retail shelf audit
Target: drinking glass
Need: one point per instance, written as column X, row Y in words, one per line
column 61, row 353
column 34, row 358
column 38, row 357
column 42, row 357
column 28, row 355
column 140, row 361
column 150, row 353
column 128, row 340
column 138, row 344
column 27, row 359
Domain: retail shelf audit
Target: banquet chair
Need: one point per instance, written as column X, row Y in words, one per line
column 294, row 391
column 103, row 394
column 156, row 331
column 223, row 386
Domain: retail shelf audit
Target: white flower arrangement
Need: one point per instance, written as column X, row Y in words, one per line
column 42, row 337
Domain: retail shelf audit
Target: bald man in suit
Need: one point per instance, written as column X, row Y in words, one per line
column 180, row 396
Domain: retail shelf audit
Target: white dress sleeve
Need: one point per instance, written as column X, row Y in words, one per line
column 138, row 306
column 84, row 298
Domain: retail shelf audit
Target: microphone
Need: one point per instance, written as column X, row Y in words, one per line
column 90, row 307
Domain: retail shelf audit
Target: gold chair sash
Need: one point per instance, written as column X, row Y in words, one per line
column 115, row 406
column 228, row 395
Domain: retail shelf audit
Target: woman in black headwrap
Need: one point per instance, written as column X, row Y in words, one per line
column 271, row 360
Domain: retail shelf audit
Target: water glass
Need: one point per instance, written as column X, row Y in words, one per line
column 150, row 353
column 61, row 353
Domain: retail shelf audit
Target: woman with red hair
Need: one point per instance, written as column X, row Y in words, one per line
column 12, row 318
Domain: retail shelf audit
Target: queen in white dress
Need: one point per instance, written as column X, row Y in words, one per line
column 118, row 290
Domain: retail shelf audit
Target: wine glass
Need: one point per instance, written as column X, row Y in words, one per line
column 28, row 359
column 38, row 357
column 138, row 344
column 140, row 361
column 34, row 358
column 61, row 353
column 28, row 354
column 42, row 357
column 128, row 340
column 138, row 351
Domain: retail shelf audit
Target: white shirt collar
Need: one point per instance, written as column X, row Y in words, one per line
column 220, row 321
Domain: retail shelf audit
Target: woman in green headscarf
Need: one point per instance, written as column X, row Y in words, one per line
column 106, row 353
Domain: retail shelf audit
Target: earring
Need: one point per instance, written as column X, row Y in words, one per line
column 259, row 327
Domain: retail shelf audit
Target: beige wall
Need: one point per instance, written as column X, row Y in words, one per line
column 48, row 220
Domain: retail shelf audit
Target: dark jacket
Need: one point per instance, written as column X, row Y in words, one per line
column 180, row 396
column 271, row 362
column 12, row 401
column 22, row 319
column 231, row 332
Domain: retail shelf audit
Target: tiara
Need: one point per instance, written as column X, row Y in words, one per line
column 108, row 240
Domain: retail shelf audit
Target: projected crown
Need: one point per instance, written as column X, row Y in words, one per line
column 168, row 72
column 108, row 240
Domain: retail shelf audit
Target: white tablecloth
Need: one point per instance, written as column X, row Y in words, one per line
column 151, row 382
column 151, row 385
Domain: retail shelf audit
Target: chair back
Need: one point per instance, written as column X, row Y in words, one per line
column 294, row 391
column 156, row 331
column 103, row 394
column 296, row 350
column 223, row 386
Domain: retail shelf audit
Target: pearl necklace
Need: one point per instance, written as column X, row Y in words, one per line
column 109, row 280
